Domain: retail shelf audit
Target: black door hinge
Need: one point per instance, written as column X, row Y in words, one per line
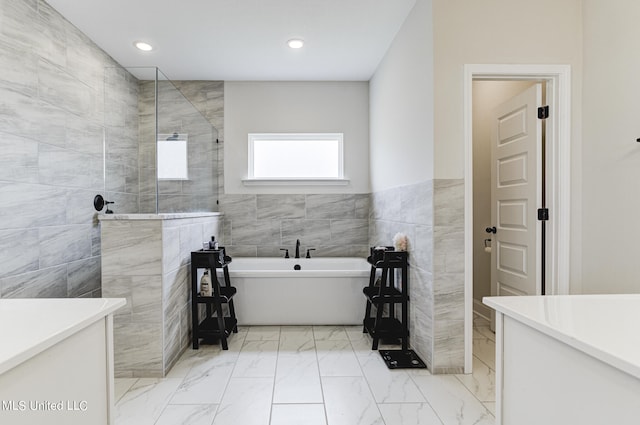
column 543, row 214
column 543, row 112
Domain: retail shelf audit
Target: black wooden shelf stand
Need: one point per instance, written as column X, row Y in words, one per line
column 384, row 295
column 218, row 326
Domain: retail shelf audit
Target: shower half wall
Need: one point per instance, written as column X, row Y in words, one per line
column 165, row 207
column 143, row 108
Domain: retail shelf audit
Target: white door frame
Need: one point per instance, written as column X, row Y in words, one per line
column 558, row 176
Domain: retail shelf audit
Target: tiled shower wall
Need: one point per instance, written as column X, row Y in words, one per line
column 121, row 115
column 51, row 167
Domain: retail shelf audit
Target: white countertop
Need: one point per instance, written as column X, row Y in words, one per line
column 167, row 216
column 30, row 326
column 603, row 326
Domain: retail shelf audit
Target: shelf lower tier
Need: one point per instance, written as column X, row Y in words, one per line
column 389, row 295
column 388, row 327
column 210, row 327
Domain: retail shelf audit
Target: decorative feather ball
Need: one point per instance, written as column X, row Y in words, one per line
column 400, row 242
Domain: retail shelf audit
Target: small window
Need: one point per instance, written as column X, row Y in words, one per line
column 296, row 157
column 172, row 157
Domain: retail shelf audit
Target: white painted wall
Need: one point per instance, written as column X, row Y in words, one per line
column 611, row 155
column 494, row 31
column 509, row 32
column 297, row 107
column 401, row 92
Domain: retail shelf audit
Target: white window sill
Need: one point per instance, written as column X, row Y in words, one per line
column 295, row 182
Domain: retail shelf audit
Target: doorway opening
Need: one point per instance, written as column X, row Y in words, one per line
column 511, row 78
column 487, row 96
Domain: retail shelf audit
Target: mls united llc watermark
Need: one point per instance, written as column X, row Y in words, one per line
column 44, row 406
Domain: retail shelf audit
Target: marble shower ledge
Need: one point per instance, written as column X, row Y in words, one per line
column 167, row 216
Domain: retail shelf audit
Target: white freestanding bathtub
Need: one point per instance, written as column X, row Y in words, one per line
column 325, row 291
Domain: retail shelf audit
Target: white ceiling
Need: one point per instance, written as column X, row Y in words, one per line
column 244, row 39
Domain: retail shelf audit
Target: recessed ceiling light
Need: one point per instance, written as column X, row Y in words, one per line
column 145, row 47
column 295, row 43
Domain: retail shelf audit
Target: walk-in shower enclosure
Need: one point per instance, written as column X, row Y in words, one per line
column 160, row 152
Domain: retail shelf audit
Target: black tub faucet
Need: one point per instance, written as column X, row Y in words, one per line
column 297, row 248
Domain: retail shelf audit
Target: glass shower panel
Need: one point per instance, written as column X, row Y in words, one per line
column 151, row 128
column 191, row 138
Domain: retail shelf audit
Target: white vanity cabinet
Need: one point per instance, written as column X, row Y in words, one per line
column 564, row 360
column 56, row 361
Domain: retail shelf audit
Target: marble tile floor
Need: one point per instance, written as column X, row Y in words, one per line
column 482, row 381
column 293, row 375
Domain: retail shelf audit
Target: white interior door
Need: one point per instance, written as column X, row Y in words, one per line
column 516, row 195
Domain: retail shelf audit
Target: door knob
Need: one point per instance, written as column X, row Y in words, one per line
column 491, row 229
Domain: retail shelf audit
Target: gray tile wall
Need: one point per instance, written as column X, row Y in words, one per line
column 259, row 225
column 448, row 266
column 132, row 269
column 176, row 280
column 148, row 263
column 431, row 214
column 409, row 210
column 52, row 87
